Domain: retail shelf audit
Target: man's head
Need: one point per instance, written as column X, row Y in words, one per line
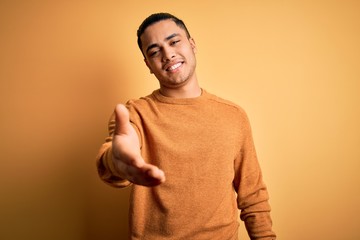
column 154, row 18
column 169, row 51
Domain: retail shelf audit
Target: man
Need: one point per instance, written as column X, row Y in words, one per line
column 188, row 155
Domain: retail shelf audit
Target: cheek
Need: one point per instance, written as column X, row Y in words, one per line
column 189, row 51
column 191, row 55
column 152, row 65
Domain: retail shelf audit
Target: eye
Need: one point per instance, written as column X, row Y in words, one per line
column 153, row 53
column 174, row 42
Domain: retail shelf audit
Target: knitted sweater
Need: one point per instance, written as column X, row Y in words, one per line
column 205, row 147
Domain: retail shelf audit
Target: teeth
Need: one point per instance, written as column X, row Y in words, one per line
column 173, row 67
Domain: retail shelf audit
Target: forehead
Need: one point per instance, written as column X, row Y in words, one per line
column 158, row 32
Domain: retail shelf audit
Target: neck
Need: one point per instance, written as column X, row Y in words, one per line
column 187, row 91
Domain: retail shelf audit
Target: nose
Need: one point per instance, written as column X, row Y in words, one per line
column 168, row 54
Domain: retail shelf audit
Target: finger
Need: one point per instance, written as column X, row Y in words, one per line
column 148, row 178
column 153, row 177
column 155, row 173
column 147, row 171
column 122, row 121
column 147, row 175
column 132, row 159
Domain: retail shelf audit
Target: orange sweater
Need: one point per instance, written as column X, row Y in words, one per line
column 204, row 145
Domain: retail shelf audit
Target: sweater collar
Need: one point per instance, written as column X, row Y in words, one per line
column 182, row 101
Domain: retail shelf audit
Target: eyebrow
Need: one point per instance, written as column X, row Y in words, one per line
column 154, row 45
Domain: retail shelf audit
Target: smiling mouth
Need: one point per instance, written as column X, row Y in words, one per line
column 174, row 67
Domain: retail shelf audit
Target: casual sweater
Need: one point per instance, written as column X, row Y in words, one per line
column 205, row 147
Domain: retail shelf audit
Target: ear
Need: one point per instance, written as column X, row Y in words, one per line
column 148, row 65
column 193, row 44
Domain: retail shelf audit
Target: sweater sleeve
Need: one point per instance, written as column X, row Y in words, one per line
column 252, row 195
column 104, row 163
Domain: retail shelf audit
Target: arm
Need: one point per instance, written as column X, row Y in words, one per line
column 252, row 195
column 119, row 161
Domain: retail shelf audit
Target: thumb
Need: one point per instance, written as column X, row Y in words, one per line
column 122, row 121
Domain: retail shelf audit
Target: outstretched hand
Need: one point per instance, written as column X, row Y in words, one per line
column 126, row 153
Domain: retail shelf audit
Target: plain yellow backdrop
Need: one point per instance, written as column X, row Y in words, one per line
column 294, row 66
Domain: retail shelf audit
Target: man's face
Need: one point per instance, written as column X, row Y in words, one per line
column 169, row 54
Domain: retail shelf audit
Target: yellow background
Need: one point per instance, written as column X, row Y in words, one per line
column 293, row 65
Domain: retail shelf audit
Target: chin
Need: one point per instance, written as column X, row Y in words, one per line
column 179, row 83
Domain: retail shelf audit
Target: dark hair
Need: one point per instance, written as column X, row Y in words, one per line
column 157, row 17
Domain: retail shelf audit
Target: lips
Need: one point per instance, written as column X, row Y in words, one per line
column 173, row 67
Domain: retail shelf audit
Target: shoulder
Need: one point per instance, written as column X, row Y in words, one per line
column 235, row 115
column 225, row 104
column 144, row 107
column 140, row 103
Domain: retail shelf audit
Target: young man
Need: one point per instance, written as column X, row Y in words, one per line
column 187, row 154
